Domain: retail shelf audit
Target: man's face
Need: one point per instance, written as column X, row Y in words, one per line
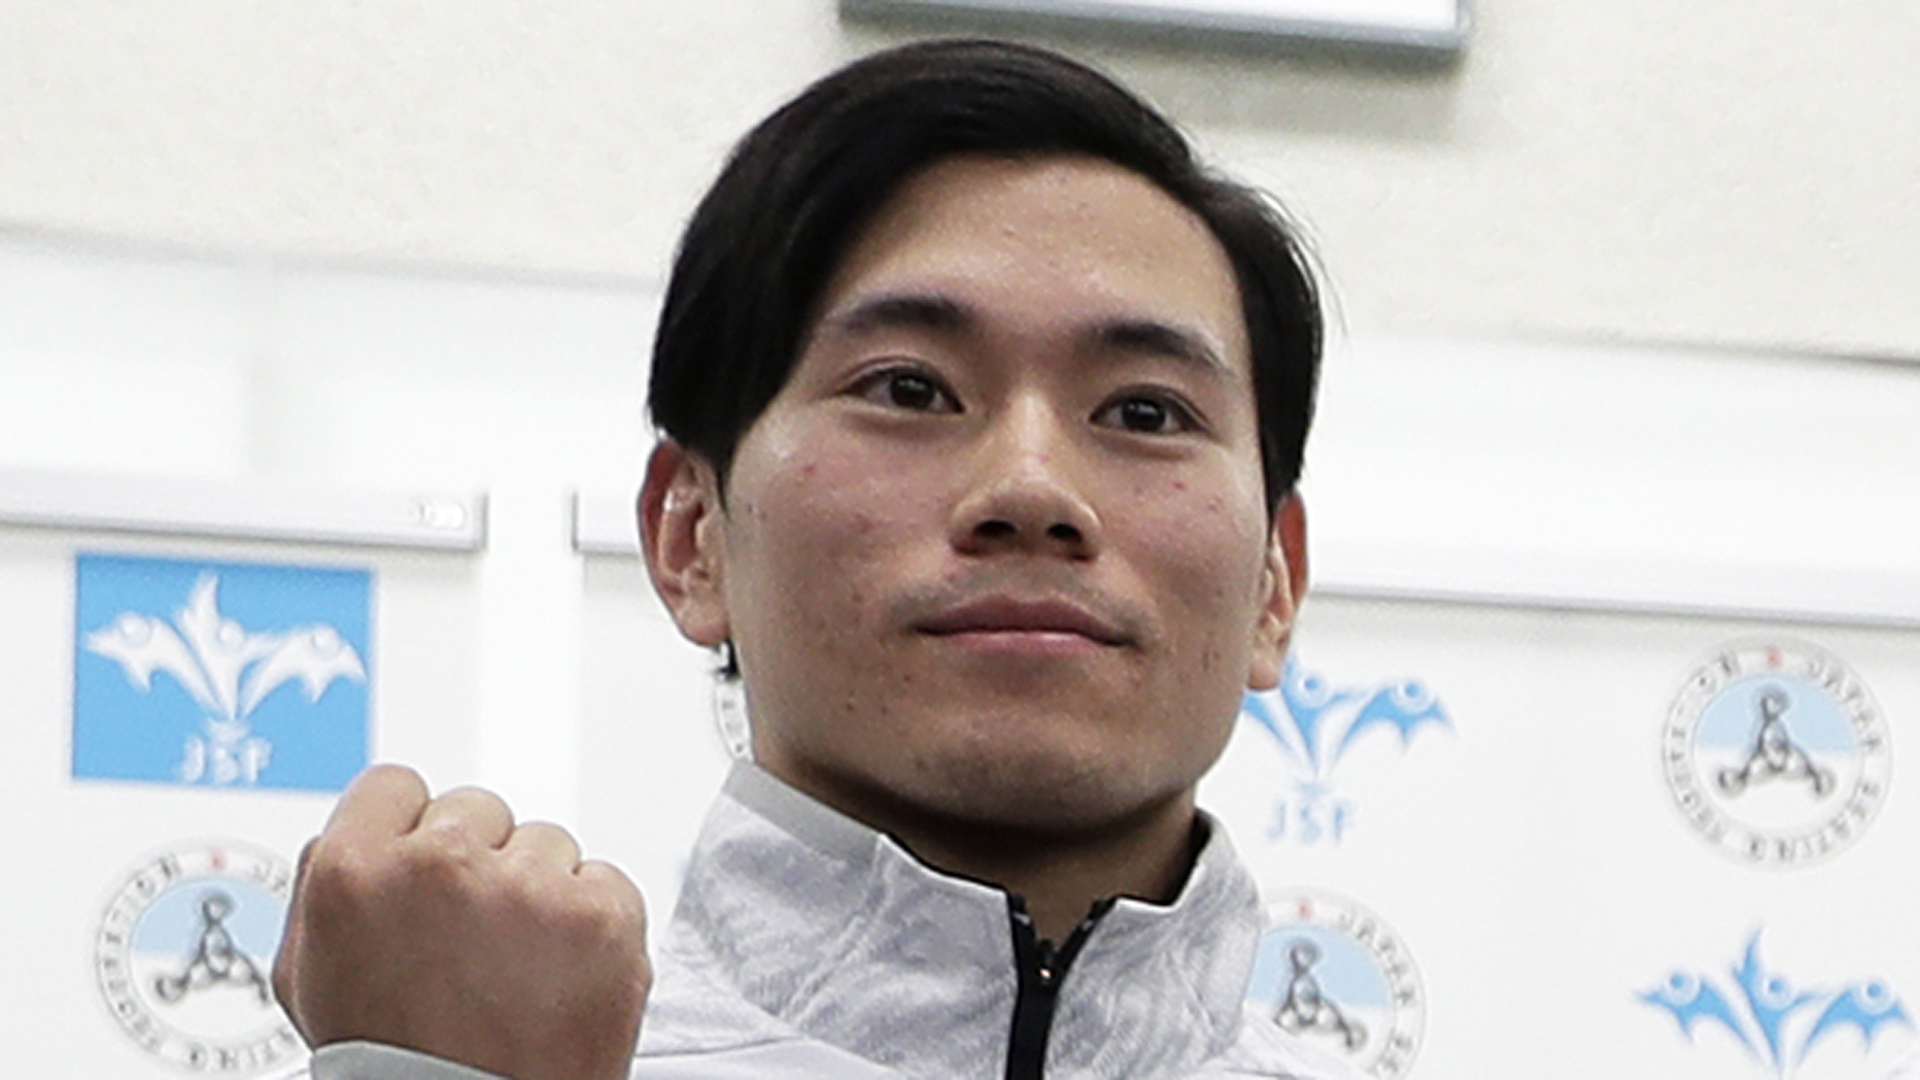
column 997, row 552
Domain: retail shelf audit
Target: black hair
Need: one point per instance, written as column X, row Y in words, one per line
column 799, row 189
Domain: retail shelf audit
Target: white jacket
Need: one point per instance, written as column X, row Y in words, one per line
column 807, row 945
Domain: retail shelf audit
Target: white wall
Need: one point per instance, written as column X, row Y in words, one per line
column 1733, row 173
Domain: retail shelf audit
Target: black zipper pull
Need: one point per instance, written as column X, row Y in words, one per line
column 1043, row 962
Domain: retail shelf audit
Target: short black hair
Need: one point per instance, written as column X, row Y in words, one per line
column 799, row 189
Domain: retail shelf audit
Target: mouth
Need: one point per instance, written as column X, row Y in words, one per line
column 1012, row 621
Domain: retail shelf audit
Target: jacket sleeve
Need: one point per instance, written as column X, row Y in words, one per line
column 378, row 1061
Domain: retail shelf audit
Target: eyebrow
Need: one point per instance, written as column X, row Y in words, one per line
column 1155, row 338
column 946, row 315
column 903, row 311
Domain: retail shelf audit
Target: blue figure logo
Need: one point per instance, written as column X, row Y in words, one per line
column 216, row 718
column 1315, row 724
column 1769, row 1018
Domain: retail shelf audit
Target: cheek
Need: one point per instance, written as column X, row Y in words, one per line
column 815, row 536
column 1210, row 547
column 1207, row 556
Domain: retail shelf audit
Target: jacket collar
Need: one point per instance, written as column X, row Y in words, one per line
column 835, row 932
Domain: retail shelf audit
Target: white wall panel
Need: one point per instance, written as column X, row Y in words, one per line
column 1531, row 856
column 1547, row 535
column 78, row 838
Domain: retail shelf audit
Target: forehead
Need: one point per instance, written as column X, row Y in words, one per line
column 1041, row 242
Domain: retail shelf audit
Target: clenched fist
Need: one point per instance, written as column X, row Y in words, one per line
column 438, row 925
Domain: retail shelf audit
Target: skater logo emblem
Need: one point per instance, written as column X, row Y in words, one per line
column 183, row 954
column 1334, row 975
column 217, row 674
column 1775, row 753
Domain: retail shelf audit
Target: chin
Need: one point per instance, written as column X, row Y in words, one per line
column 1048, row 794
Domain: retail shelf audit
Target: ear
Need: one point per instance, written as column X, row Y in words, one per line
column 682, row 540
column 1286, row 586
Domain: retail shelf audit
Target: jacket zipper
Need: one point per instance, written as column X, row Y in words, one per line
column 1041, row 969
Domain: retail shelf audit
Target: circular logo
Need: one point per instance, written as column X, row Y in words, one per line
column 1776, row 753
column 1331, row 973
column 183, row 953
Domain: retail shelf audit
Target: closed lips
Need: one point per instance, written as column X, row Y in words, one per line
column 1010, row 616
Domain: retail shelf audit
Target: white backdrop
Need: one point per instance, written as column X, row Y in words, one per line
column 1549, row 537
column 71, row 842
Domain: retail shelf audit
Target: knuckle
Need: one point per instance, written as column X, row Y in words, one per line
column 547, row 830
column 391, row 778
column 611, row 880
column 438, row 860
column 543, row 844
column 387, row 770
column 598, row 922
column 346, row 878
column 451, row 840
column 336, row 896
column 334, row 867
column 476, row 800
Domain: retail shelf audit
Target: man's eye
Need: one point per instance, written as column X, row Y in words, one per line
column 1146, row 414
column 912, row 390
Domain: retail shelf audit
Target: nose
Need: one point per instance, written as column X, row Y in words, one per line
column 1024, row 491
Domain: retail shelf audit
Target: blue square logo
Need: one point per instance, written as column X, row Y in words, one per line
column 220, row 674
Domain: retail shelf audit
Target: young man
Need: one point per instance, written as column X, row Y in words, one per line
column 982, row 404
